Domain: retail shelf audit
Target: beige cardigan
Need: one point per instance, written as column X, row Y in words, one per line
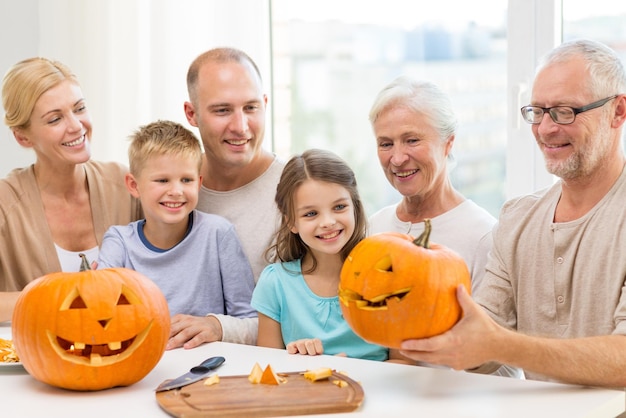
column 26, row 247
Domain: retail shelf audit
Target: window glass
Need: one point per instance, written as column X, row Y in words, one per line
column 605, row 21
column 331, row 58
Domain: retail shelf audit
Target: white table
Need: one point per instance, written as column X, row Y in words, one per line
column 390, row 389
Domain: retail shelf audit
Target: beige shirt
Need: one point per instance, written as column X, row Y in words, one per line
column 251, row 208
column 26, row 247
column 559, row 280
column 253, row 212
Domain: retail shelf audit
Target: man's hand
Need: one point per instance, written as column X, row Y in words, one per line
column 470, row 343
column 191, row 331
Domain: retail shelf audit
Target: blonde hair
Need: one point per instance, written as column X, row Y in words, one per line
column 162, row 138
column 24, row 84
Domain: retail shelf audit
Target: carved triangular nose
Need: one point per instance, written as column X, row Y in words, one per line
column 104, row 322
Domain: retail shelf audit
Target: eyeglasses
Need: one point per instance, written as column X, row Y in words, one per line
column 563, row 115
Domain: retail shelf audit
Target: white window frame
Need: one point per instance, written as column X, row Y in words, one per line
column 534, row 28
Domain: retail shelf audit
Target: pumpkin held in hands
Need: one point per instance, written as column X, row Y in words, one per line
column 395, row 288
column 91, row 330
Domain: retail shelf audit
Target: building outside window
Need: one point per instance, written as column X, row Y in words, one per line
column 331, row 58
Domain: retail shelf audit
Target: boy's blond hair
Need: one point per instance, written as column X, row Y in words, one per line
column 162, row 138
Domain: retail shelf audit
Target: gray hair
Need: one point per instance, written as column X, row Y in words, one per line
column 421, row 97
column 606, row 72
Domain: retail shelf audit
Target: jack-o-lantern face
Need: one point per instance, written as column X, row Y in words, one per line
column 91, row 330
column 395, row 288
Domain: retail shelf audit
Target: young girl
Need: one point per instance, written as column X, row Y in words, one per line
column 296, row 297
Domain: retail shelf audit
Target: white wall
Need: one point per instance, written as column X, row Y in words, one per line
column 131, row 56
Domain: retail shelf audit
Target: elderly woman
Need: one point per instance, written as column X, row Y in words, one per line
column 415, row 129
column 63, row 203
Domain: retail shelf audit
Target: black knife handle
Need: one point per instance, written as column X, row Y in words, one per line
column 207, row 365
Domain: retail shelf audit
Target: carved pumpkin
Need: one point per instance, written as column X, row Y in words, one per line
column 394, row 288
column 91, row 330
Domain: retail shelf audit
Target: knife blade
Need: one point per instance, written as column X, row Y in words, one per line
column 195, row 374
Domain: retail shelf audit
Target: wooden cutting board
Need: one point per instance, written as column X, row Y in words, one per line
column 236, row 396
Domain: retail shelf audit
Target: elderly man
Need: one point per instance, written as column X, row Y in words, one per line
column 552, row 300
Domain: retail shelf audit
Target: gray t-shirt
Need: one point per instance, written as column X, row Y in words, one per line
column 466, row 229
column 251, row 208
column 207, row 272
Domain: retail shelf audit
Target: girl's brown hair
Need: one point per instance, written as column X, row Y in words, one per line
column 320, row 165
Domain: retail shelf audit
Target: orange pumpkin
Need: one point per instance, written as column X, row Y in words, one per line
column 91, row 330
column 394, row 288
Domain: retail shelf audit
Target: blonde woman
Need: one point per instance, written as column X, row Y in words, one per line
column 63, row 203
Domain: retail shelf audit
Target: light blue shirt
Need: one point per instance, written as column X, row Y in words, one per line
column 283, row 295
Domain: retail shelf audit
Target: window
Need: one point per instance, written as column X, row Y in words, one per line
column 329, row 60
column 535, row 27
column 332, row 58
column 604, row 22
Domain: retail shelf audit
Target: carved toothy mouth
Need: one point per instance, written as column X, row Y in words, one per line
column 376, row 303
column 96, row 354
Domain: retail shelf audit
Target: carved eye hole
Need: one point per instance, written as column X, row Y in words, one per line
column 74, row 301
column 128, row 297
column 122, row 300
column 384, row 264
column 77, row 303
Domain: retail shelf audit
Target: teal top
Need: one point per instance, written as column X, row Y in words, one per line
column 283, row 295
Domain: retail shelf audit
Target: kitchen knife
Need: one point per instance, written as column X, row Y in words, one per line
column 196, row 373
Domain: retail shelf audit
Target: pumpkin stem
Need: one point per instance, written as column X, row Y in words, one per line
column 84, row 265
column 422, row 240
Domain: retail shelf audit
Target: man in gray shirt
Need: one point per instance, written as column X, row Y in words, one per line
column 228, row 106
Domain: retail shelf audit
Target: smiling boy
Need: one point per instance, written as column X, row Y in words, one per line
column 195, row 258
